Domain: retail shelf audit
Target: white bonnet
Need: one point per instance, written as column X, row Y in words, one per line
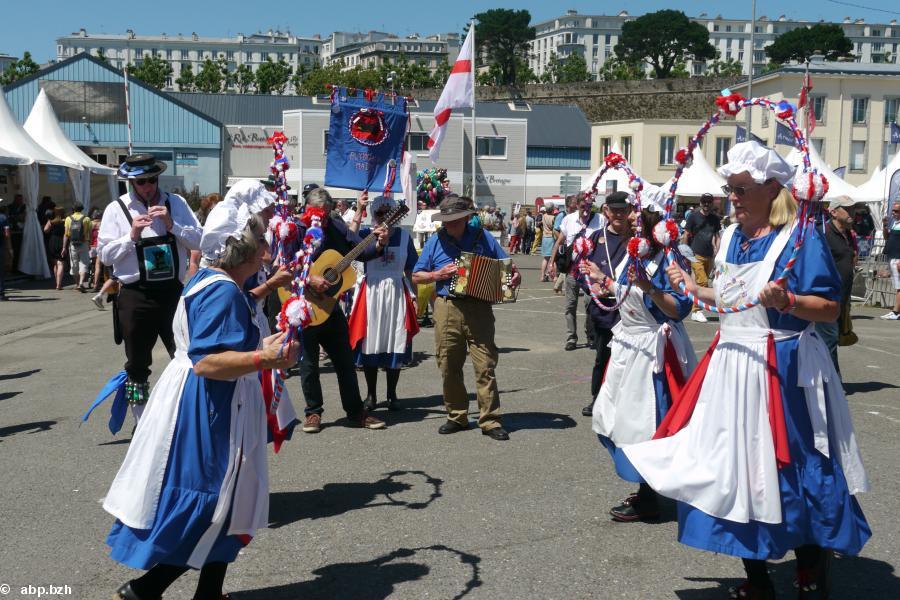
column 760, row 162
column 229, row 217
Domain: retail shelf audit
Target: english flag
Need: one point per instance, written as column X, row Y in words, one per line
column 459, row 92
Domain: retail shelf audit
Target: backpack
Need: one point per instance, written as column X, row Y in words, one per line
column 76, row 230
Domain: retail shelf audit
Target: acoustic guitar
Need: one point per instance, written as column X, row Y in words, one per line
column 337, row 271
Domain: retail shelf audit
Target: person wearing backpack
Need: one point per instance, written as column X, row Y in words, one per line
column 77, row 243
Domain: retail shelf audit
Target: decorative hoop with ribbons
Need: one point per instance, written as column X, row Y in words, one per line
column 808, row 187
column 638, row 248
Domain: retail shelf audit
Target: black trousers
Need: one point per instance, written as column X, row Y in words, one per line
column 334, row 337
column 602, row 337
column 144, row 316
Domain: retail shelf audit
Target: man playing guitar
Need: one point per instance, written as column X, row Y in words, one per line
column 333, row 335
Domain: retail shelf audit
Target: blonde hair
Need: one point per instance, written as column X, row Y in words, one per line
column 783, row 210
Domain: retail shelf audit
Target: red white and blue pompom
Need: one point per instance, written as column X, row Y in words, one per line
column 636, row 184
column 729, row 102
column 809, row 186
column 785, row 110
column 666, row 233
column 639, row 247
column 613, row 159
column 287, row 231
column 684, row 157
column 582, row 247
column 296, row 313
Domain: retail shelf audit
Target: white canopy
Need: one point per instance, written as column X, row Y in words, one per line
column 698, row 179
column 14, row 138
column 836, row 186
column 8, row 157
column 876, row 188
column 617, row 175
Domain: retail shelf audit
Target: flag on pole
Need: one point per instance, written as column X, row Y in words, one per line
column 459, row 92
column 804, row 91
column 784, row 135
column 804, row 101
column 895, row 133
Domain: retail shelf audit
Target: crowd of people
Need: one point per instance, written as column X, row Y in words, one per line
column 754, row 441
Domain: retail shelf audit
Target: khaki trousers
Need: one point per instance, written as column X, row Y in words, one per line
column 461, row 325
column 701, row 267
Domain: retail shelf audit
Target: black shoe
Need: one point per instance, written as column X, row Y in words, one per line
column 452, row 427
column 126, row 593
column 369, row 403
column 497, row 433
column 394, row 403
column 571, row 346
column 592, row 345
column 588, row 411
column 635, row 508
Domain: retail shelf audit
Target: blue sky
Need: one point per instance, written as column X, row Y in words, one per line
column 34, row 25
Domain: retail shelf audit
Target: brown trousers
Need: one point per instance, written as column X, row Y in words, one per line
column 461, row 326
column 702, row 267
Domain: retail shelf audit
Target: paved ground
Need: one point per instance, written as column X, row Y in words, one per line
column 403, row 513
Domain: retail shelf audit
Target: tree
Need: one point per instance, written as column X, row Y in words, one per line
column 185, row 80
column 153, row 71
column 442, row 73
column 23, row 67
column 298, row 77
column 226, row 68
column 273, row 77
column 502, row 36
column 724, row 68
column 573, row 69
column 662, row 39
column 800, row 44
column 101, row 56
column 525, row 74
column 615, row 69
column 209, row 79
column 244, row 79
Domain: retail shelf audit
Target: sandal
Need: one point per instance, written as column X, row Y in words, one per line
column 747, row 591
column 814, row 584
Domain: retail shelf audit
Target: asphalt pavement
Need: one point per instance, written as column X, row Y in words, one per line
column 403, row 512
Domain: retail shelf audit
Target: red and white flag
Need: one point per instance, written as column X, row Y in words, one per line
column 459, row 92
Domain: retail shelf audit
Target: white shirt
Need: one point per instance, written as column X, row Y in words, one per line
column 114, row 239
column 348, row 216
column 571, row 225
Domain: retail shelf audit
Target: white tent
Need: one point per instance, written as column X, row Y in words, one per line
column 615, row 175
column 876, row 188
column 14, row 139
column 698, row 179
column 43, row 126
column 8, row 157
column 836, row 185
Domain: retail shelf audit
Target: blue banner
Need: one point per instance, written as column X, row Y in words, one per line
column 56, row 174
column 740, row 135
column 365, row 139
column 784, row 135
column 895, row 133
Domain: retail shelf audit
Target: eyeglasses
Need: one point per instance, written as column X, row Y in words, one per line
column 740, row 190
column 146, row 181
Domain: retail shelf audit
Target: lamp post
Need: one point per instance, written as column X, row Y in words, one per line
column 390, row 79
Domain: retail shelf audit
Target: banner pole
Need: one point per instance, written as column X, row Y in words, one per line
column 474, row 138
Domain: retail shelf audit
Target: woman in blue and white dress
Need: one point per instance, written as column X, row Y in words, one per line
column 760, row 450
column 383, row 319
column 193, row 488
column 650, row 358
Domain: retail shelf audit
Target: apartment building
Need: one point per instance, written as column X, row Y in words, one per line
column 377, row 48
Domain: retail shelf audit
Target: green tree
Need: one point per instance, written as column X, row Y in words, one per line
column 273, row 77
column 572, row 69
column 502, row 36
column 525, row 74
column 800, row 44
column 185, row 80
column 298, row 77
column 226, row 69
column 724, row 68
column 662, row 39
column 243, row 79
column 317, row 80
column 492, row 76
column 23, row 67
column 442, row 73
column 615, row 69
column 153, row 71
column 209, row 79
column 101, row 56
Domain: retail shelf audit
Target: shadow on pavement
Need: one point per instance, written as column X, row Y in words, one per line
column 868, row 386
column 338, row 498
column 510, row 349
column 20, row 375
column 537, row 420
column 8, row 395
column 33, row 427
column 851, row 577
column 30, row 299
column 371, row 580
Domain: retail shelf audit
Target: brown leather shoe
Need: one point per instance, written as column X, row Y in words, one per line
column 313, row 423
column 366, row 421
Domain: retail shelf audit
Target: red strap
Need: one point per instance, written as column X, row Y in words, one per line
column 358, row 322
column 684, row 402
column 776, row 407
column 412, row 321
column 278, row 435
column 674, row 372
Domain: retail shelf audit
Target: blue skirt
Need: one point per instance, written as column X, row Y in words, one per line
column 816, row 505
column 386, row 360
column 197, row 463
column 546, row 246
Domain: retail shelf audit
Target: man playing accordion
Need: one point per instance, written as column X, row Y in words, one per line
column 462, row 323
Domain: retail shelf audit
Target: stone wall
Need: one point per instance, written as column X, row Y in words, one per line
column 601, row 101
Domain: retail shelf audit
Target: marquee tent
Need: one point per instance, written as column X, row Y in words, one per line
column 698, row 179
column 836, row 186
column 876, row 188
column 43, row 126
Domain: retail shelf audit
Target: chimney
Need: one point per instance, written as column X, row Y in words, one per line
column 82, row 32
column 194, row 36
column 571, row 12
column 129, row 33
column 817, row 58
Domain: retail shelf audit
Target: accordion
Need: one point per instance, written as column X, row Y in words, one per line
column 483, row 278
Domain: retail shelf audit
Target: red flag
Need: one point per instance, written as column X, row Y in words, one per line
column 459, row 92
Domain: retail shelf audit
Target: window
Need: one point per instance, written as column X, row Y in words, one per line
column 819, row 145
column 94, row 101
column 728, row 28
column 487, row 147
column 857, row 156
column 765, row 118
column 667, row 150
column 605, row 146
column 888, row 152
column 818, row 105
column 860, row 110
column 626, row 147
column 876, row 33
column 716, row 27
column 723, row 145
column 417, row 142
column 891, row 106
column 759, row 56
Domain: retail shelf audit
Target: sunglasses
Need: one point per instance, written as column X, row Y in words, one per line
column 740, row 190
column 146, row 181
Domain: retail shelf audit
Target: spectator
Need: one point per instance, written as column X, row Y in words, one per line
column 76, row 243
column 97, row 266
column 55, row 233
column 528, row 233
column 45, row 210
column 892, row 254
column 701, row 232
column 837, row 236
column 5, row 250
column 557, row 221
column 16, row 217
column 548, row 236
column 206, row 205
column 864, row 228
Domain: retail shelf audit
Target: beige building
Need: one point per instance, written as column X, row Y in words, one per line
column 854, row 105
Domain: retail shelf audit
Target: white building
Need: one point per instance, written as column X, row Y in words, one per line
column 180, row 50
column 376, row 48
column 6, row 60
column 595, row 36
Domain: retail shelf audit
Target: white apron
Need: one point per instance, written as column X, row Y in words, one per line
column 723, row 461
column 387, row 291
column 134, row 494
column 625, row 410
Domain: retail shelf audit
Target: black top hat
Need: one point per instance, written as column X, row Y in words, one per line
column 617, row 200
column 270, row 182
column 454, row 207
column 140, row 165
